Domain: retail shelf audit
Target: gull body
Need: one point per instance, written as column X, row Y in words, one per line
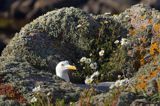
column 62, row 69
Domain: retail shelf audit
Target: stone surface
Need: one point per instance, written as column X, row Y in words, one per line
column 126, row 98
column 30, row 58
column 137, row 21
column 16, row 13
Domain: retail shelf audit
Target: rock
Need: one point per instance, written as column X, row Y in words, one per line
column 139, row 102
column 126, row 98
column 30, row 58
column 3, row 97
column 58, row 35
column 134, row 20
column 152, row 87
column 15, row 14
column 9, row 103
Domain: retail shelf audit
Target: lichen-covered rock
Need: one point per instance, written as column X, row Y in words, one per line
column 126, row 98
column 30, row 58
column 5, row 102
column 57, row 32
column 142, row 54
column 9, row 103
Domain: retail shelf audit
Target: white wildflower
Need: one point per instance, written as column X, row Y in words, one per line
column 107, row 13
column 88, row 80
column 95, row 74
column 83, row 59
column 112, row 86
column 71, row 103
column 124, row 41
column 84, row 68
column 93, row 66
column 119, row 76
column 78, row 26
column 116, row 42
column 101, row 53
column 106, row 22
column 117, row 83
column 37, row 89
column 34, row 99
column 158, row 16
column 49, row 93
column 88, row 61
column 127, row 16
column 123, row 82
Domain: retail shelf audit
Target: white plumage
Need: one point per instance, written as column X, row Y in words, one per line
column 62, row 69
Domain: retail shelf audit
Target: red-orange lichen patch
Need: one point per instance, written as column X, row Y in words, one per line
column 11, row 93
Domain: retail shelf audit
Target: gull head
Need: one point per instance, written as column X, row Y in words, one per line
column 62, row 69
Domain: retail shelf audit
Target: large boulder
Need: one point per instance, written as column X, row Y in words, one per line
column 30, row 58
column 142, row 58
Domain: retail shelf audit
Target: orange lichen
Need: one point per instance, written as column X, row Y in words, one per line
column 142, row 85
column 156, row 27
column 11, row 93
column 154, row 48
column 142, row 61
column 132, row 32
column 143, row 79
column 150, row 21
column 153, row 74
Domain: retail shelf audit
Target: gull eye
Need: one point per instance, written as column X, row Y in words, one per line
column 62, row 64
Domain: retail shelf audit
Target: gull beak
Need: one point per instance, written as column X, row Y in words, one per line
column 71, row 68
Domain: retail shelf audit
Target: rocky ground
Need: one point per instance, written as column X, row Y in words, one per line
column 14, row 14
column 30, row 58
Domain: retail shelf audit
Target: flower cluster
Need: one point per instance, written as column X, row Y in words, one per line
column 93, row 66
column 88, row 61
column 123, row 42
column 120, row 83
column 85, row 60
column 40, row 97
column 90, row 79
